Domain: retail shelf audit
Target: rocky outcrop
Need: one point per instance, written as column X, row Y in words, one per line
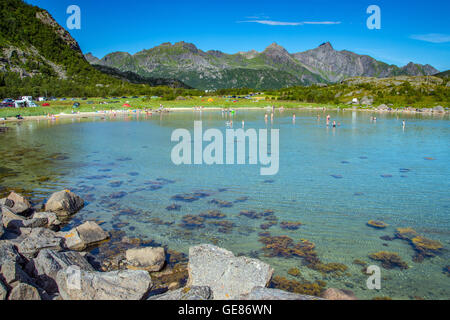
column 261, row 293
column 64, row 203
column 187, row 293
column 150, row 259
column 116, row 285
column 228, row 276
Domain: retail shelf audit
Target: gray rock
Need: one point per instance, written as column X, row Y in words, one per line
column 24, row 292
column 150, row 259
column 187, row 293
column 64, row 203
column 116, row 285
column 439, row 109
column 39, row 239
column 2, row 231
column 52, row 218
column 382, row 107
column 12, row 274
column 338, row 294
column 17, row 203
column 45, row 267
column 87, row 234
column 261, row 293
column 12, row 221
column 3, row 291
column 228, row 276
column 8, row 252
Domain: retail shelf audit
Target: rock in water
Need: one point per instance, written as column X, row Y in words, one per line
column 187, row 293
column 150, row 259
column 18, row 204
column 338, row 294
column 64, row 203
column 89, row 233
column 261, row 293
column 24, row 291
column 45, row 267
column 39, row 239
column 116, row 285
column 228, row 276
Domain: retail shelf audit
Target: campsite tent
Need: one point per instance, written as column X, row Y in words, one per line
column 46, row 104
column 126, row 105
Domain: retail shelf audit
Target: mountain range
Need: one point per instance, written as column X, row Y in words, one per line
column 272, row 68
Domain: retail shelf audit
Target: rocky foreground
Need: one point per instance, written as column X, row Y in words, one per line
column 39, row 262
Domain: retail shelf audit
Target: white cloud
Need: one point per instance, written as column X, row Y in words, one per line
column 432, row 37
column 283, row 23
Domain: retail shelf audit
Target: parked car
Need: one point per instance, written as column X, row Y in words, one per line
column 76, row 105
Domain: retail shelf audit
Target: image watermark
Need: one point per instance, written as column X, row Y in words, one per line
column 374, row 281
column 374, row 20
column 74, row 20
column 214, row 152
column 73, row 278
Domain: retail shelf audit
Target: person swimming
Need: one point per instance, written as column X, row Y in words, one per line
column 334, row 124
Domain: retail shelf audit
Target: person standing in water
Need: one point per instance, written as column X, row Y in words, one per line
column 294, row 117
column 328, row 120
column 243, row 124
column 404, row 124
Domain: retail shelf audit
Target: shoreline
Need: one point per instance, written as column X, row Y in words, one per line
column 46, row 260
column 113, row 113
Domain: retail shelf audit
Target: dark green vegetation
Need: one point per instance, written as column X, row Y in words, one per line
column 402, row 91
column 39, row 57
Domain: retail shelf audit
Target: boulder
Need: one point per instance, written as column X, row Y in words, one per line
column 439, row 109
column 338, row 294
column 24, row 292
column 8, row 252
column 87, row 234
column 187, row 293
column 3, row 291
column 39, row 239
column 262, row 293
column 150, row 259
column 382, row 107
column 52, row 218
column 12, row 274
column 17, row 203
column 116, row 285
column 64, row 203
column 228, row 276
column 12, row 221
column 2, row 230
column 45, row 267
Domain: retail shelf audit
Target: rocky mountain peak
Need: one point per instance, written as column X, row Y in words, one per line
column 326, row 46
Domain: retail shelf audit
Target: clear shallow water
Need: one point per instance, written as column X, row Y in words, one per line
column 98, row 158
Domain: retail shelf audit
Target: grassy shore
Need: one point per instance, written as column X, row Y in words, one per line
column 94, row 105
column 65, row 107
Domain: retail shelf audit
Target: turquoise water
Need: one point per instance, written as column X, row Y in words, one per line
column 115, row 164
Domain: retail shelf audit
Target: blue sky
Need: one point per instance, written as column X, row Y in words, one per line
column 412, row 30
